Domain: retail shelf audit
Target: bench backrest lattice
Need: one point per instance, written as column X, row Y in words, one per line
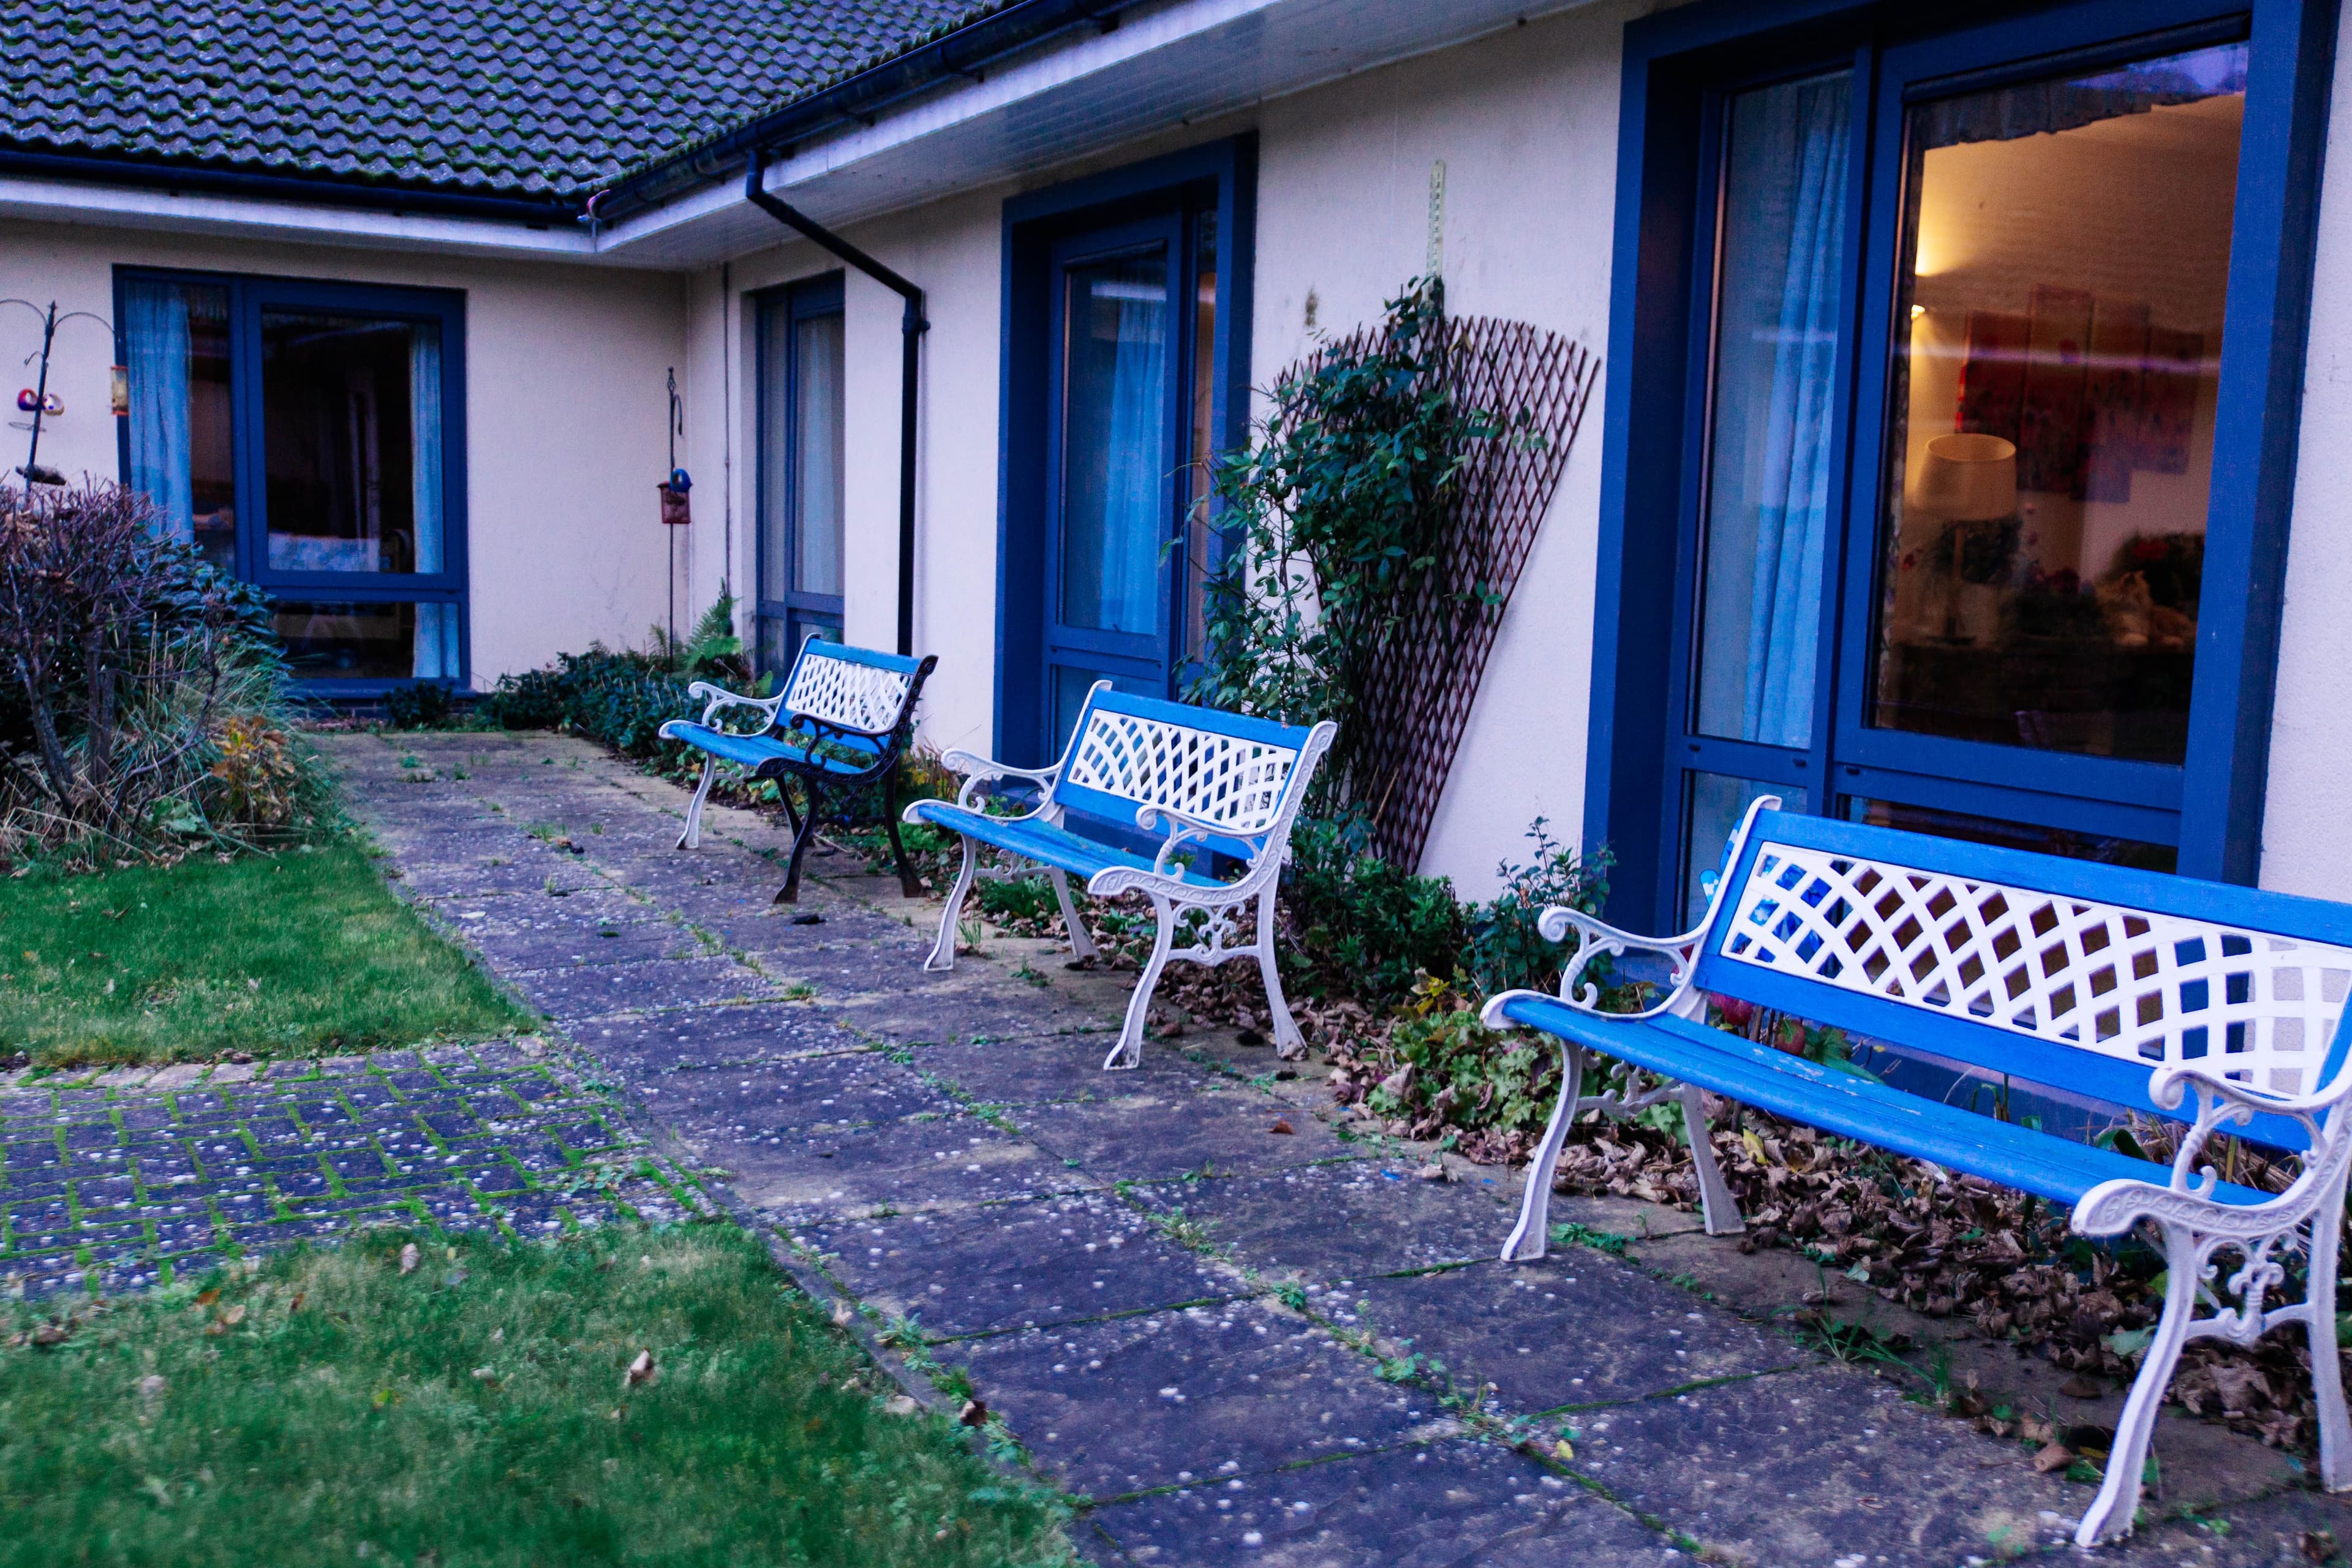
column 2060, row 973
column 850, row 688
column 1219, row 768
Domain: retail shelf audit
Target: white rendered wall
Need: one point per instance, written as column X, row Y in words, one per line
column 1527, row 124
column 563, row 414
column 2308, row 814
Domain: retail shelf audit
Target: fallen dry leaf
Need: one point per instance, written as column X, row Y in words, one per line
column 2080, row 1387
column 2052, row 1456
column 1283, row 1125
column 900, row 1404
column 974, row 1414
column 48, row 1335
column 408, row 1256
column 233, row 1316
column 641, row 1370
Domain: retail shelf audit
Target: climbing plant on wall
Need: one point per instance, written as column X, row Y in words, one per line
column 1375, row 527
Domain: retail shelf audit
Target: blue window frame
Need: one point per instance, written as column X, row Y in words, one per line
column 1126, row 368
column 800, row 471
column 1857, row 690
column 309, row 437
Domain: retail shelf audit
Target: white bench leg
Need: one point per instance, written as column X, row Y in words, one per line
column 692, row 837
column 1128, row 1052
column 1288, row 1043
column 1533, row 1233
column 1716, row 1205
column 942, row 958
column 2109, row 1517
column 1081, row 941
column 2326, row 1376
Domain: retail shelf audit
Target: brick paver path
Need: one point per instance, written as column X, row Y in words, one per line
column 1243, row 1336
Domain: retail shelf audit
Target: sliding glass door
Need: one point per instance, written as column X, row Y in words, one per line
column 802, row 463
column 308, row 437
column 1951, row 430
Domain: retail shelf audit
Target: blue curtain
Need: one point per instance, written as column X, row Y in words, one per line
column 1136, row 468
column 1784, row 616
column 435, row 657
column 155, row 331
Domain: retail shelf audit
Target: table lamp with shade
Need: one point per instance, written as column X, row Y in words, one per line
column 1966, row 478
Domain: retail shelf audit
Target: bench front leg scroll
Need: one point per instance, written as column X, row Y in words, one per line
column 1128, row 1051
column 1532, row 1235
column 1288, row 1043
column 692, row 837
column 942, row 956
column 2257, row 1241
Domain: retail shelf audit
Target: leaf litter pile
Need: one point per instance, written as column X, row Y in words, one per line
column 1944, row 1245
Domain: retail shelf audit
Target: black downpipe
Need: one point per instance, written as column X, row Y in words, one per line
column 912, row 328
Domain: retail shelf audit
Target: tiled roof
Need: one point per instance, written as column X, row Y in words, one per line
column 493, row 97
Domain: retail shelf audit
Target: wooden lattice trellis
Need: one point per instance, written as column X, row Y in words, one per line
column 1535, row 383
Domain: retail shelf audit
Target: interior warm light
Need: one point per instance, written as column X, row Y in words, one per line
column 1917, row 312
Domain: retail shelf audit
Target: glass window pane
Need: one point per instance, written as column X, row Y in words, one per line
column 1114, row 460
column 1717, row 806
column 2073, row 846
column 817, row 451
column 351, row 409
column 1768, row 481
column 2066, row 253
column 1199, row 546
column 775, row 446
column 326, row 641
column 175, row 338
column 1070, row 689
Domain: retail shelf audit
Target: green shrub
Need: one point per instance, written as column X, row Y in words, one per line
column 620, row 699
column 143, row 703
column 1364, row 928
column 419, row 705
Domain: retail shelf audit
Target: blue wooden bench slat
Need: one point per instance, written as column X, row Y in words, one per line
column 1202, row 779
column 2224, row 1010
column 1860, row 1109
column 769, row 758
column 1041, row 842
column 837, row 699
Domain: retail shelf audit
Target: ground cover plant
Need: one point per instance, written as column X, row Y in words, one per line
column 295, row 953
column 647, row 1396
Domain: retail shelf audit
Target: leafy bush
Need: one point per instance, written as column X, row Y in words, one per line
column 1362, row 927
column 1506, row 951
column 419, row 705
column 620, row 699
column 143, row 698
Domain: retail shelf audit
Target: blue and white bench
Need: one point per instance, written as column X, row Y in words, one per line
column 842, row 723
column 1210, row 780
column 2137, row 990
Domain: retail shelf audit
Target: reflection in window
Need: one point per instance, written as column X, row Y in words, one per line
column 367, row 641
column 1769, row 496
column 2050, row 431
column 1717, row 806
column 2064, row 842
column 1115, row 463
column 1199, row 553
column 177, row 343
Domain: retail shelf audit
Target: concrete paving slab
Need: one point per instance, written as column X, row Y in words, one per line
column 1123, row 1406
column 809, row 1096
column 1159, row 1130
column 1454, row 1504
column 1819, row 1466
column 1573, row 1331
column 600, row 992
column 950, row 1161
column 1016, row 1266
column 1352, row 1219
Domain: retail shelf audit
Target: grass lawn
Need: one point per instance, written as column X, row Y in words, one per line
column 328, row 1408
column 285, row 954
